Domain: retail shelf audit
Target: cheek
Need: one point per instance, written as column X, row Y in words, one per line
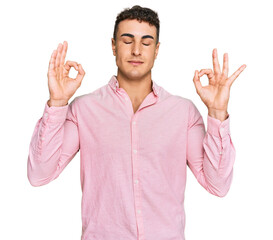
column 120, row 56
column 151, row 55
column 123, row 49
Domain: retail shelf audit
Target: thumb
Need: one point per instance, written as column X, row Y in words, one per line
column 70, row 64
column 80, row 74
column 196, row 81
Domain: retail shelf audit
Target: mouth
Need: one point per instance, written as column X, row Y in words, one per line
column 135, row 63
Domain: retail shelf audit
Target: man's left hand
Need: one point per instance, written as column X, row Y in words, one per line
column 216, row 94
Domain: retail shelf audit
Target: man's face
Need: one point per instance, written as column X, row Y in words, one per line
column 135, row 48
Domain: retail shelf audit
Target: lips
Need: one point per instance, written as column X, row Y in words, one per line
column 135, row 62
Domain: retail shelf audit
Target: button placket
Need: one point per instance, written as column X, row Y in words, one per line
column 134, row 123
column 222, row 131
column 136, row 185
column 45, row 117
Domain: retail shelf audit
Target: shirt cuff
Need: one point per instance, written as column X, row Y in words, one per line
column 54, row 114
column 217, row 128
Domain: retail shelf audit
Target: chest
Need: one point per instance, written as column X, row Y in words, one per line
column 152, row 129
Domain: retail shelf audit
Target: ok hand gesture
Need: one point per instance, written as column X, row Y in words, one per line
column 216, row 94
column 61, row 86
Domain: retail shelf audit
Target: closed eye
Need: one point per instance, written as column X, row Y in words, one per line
column 127, row 42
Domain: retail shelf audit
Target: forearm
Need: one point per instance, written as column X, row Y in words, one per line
column 219, row 157
column 44, row 149
column 54, row 143
column 211, row 154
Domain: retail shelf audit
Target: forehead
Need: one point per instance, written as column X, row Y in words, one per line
column 136, row 28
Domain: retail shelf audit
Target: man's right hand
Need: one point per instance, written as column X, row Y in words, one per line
column 61, row 86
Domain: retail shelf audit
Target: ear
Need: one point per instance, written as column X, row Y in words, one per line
column 113, row 46
column 157, row 48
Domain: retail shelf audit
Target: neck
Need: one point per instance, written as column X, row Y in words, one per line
column 137, row 89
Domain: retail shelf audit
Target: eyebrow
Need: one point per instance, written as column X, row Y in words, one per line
column 132, row 36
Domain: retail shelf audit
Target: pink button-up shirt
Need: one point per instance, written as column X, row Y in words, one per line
column 133, row 165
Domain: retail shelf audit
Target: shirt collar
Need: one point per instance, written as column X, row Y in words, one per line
column 114, row 84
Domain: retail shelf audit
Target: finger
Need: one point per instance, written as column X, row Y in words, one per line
column 225, row 65
column 64, row 53
column 81, row 74
column 208, row 72
column 81, row 69
column 58, row 58
column 197, row 82
column 51, row 65
column 232, row 78
column 70, row 64
column 216, row 65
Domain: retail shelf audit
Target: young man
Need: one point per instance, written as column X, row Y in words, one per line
column 136, row 139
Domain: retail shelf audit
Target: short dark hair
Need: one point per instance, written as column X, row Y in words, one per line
column 141, row 14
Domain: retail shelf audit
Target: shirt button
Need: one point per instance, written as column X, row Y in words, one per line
column 138, row 211
column 220, row 153
column 136, row 181
column 46, row 114
column 43, row 138
column 135, row 151
column 134, row 122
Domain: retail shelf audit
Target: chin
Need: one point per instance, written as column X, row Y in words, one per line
column 136, row 74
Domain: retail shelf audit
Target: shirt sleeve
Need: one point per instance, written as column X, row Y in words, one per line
column 54, row 143
column 210, row 154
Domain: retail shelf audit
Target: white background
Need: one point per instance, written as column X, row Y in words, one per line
column 31, row 30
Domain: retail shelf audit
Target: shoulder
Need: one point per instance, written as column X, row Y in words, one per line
column 90, row 97
column 188, row 107
column 184, row 102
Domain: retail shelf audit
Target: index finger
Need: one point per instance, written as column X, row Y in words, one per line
column 216, row 65
column 52, row 60
column 80, row 74
column 64, row 53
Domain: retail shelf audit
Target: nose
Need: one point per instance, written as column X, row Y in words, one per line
column 136, row 49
